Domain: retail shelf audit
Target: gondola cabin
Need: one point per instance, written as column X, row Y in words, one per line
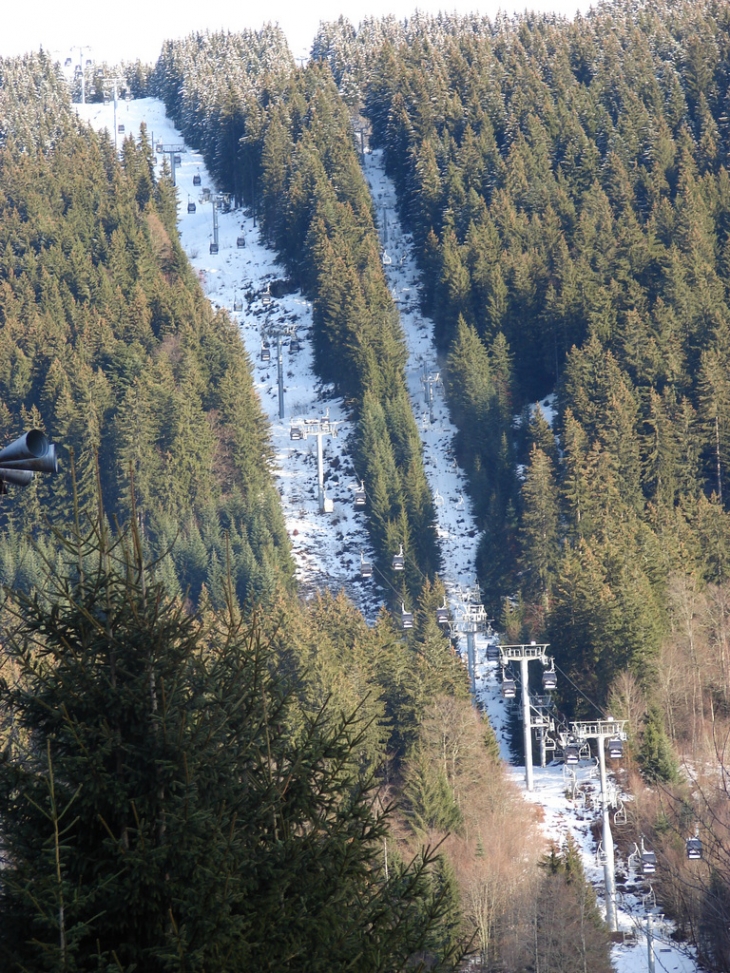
column 177, row 160
column 493, row 652
column 648, row 862
column 266, row 353
column 196, row 179
column 615, row 749
column 120, row 129
column 237, row 304
column 191, row 207
column 399, row 562
column 241, row 242
column 694, row 849
column 571, row 753
column 360, row 497
column 214, row 248
column 549, row 679
column 366, row 567
column 442, row 615
column 509, row 688
column 406, row 618
column 296, row 433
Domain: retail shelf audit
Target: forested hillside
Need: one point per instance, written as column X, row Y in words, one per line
column 281, row 140
column 566, row 186
column 107, row 342
column 567, row 189
column 567, row 192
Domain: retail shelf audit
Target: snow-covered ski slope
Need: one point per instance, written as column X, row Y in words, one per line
column 327, row 547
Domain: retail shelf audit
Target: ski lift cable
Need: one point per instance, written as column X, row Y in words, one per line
column 578, row 689
column 387, row 582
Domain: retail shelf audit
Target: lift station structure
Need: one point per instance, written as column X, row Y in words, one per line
column 320, row 428
column 470, row 618
column 174, row 151
column 602, row 731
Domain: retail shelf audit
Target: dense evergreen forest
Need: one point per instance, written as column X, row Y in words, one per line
column 130, row 685
column 281, row 140
column 567, row 190
column 107, row 342
column 566, row 187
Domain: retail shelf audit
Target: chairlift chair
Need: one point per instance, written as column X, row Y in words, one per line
column 360, row 496
column 67, row 62
column 406, row 618
column 571, row 753
column 615, row 748
column 241, row 242
column 694, row 848
column 549, row 679
column 509, row 687
column 196, row 179
column 386, row 258
column 89, row 62
column 620, row 817
column 191, row 206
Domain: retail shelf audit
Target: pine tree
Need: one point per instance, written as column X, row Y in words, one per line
column 539, row 534
column 655, row 756
column 156, row 809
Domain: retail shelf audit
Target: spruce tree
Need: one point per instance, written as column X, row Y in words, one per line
column 158, row 812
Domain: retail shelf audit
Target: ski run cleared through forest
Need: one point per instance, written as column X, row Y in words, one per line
column 328, row 547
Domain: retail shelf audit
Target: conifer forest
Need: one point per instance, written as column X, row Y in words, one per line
column 201, row 768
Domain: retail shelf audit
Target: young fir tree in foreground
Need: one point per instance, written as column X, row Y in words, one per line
column 157, row 811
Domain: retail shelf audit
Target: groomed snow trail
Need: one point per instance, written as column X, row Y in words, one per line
column 327, row 547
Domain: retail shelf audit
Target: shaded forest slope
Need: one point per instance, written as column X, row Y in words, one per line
column 107, row 341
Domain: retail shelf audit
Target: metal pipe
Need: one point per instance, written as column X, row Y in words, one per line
column 320, row 472
column 608, row 864
column 527, row 733
column 650, row 944
column 471, row 658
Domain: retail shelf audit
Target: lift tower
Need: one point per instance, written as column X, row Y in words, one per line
column 524, row 654
column 602, row 730
column 470, row 618
column 429, row 380
column 319, row 428
column 279, row 333
column 173, row 151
